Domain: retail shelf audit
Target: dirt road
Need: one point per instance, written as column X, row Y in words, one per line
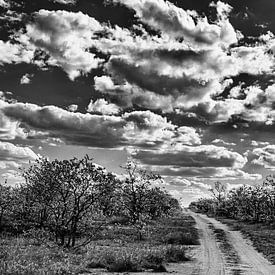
column 223, row 251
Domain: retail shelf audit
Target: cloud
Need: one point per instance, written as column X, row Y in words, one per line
column 66, row 37
column 182, row 182
column 265, row 157
column 10, row 154
column 10, row 129
column 259, row 143
column 217, row 140
column 204, row 173
column 149, row 130
column 72, row 108
column 65, row 2
column 103, row 107
column 26, row 79
column 142, row 129
column 14, row 53
column 127, row 95
column 202, row 156
column 12, row 177
column 4, row 4
column 176, row 22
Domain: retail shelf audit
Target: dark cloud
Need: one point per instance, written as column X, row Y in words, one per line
column 152, row 81
column 200, row 157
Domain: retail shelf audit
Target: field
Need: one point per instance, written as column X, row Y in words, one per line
column 117, row 248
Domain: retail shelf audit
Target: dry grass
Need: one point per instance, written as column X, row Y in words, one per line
column 116, row 250
column 21, row 256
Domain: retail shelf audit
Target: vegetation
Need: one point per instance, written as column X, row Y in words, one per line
column 70, row 216
column 250, row 209
column 247, row 203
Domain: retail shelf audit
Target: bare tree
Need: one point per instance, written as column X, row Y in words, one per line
column 219, row 191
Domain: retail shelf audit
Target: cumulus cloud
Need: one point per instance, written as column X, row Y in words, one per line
column 10, row 154
column 182, row 182
column 139, row 128
column 72, row 108
column 66, row 37
column 14, row 53
column 265, row 157
column 10, row 129
column 176, row 22
column 26, row 79
column 4, row 4
column 146, row 129
column 103, row 107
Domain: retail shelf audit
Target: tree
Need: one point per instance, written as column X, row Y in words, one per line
column 269, row 180
column 219, row 191
column 160, row 203
column 135, row 197
column 64, row 196
column 6, row 199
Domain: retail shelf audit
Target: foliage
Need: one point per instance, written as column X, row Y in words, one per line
column 141, row 201
column 71, row 200
column 247, row 203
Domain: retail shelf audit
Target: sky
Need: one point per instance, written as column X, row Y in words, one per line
column 184, row 87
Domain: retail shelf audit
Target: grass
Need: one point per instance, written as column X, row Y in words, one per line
column 116, row 249
column 262, row 236
column 21, row 256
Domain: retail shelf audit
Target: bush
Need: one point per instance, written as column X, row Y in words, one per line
column 175, row 254
column 155, row 262
column 181, row 238
column 123, row 262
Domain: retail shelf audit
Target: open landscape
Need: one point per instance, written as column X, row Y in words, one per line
column 73, row 217
column 137, row 136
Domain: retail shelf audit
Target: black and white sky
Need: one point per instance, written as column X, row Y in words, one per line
column 184, row 87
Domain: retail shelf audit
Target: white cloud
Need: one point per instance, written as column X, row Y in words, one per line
column 265, row 157
column 26, row 79
column 66, row 37
column 14, row 53
column 217, row 140
column 66, row 2
column 141, row 129
column 103, row 107
column 4, row 4
column 176, row 22
column 72, row 108
column 13, row 153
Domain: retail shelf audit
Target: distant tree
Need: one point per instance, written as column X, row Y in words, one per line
column 219, row 191
column 63, row 196
column 135, row 196
column 160, row 203
column 269, row 180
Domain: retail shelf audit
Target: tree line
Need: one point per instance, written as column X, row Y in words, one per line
column 71, row 200
column 246, row 203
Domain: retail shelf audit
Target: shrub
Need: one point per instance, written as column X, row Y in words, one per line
column 181, row 238
column 155, row 262
column 176, row 254
column 123, row 262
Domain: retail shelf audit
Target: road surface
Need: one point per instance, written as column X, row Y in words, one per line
column 211, row 257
